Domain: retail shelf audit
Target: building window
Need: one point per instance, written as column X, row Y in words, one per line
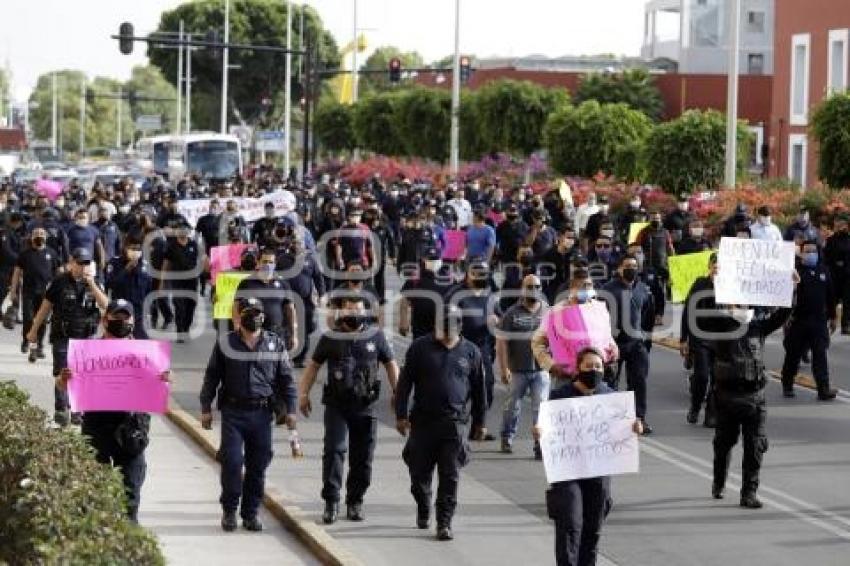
column 755, row 64
column 797, row 158
column 837, row 65
column 800, row 79
column 755, row 22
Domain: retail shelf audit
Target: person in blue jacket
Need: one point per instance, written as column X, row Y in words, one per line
column 579, row 507
column 128, row 277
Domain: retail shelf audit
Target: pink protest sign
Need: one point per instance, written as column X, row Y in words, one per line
column 225, row 258
column 455, row 244
column 573, row 328
column 118, row 375
column 48, row 188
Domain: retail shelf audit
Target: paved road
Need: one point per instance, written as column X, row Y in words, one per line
column 662, row 515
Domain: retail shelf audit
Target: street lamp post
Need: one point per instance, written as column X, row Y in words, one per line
column 82, row 118
column 287, row 104
column 189, row 87
column 455, row 128
column 54, row 118
column 225, row 67
column 179, row 120
column 732, row 94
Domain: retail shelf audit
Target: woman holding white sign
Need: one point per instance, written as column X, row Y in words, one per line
column 579, row 507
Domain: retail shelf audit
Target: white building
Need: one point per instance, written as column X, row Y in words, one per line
column 699, row 42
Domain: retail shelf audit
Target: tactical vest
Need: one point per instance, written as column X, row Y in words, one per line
column 352, row 373
column 77, row 312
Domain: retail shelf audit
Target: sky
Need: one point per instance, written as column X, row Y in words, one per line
column 45, row 35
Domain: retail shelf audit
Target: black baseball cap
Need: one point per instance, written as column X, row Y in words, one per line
column 251, row 303
column 432, row 253
column 81, row 255
column 119, row 306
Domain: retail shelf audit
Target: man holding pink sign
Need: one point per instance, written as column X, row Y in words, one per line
column 115, row 384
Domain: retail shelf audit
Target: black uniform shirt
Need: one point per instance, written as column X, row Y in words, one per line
column 275, row 295
column 182, row 258
column 262, row 373
column 422, row 294
column 38, row 268
column 444, row 381
column 815, row 294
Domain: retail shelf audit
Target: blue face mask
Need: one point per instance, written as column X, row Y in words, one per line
column 810, row 259
column 585, row 295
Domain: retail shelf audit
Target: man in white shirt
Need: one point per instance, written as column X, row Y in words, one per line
column 584, row 212
column 763, row 228
column 462, row 209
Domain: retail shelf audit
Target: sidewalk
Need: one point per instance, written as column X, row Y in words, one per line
column 180, row 494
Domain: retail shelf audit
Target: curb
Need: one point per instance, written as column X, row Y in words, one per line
column 802, row 379
column 321, row 544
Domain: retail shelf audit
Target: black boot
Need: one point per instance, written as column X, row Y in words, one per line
column 331, row 512
column 717, row 491
column 693, row 416
column 354, row 512
column 444, row 532
column 228, row 521
column 826, row 393
column 750, row 501
column 423, row 515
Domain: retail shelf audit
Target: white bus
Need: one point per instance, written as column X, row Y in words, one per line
column 209, row 155
column 152, row 154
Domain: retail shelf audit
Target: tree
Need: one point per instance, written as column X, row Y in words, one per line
column 379, row 60
column 423, row 119
column 4, row 92
column 147, row 81
column 334, row 126
column 689, row 152
column 375, row 124
column 260, row 74
column 831, row 129
column 471, row 145
column 586, row 139
column 512, row 114
column 100, row 119
column 634, row 87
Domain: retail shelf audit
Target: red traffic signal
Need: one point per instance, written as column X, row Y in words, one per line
column 395, row 70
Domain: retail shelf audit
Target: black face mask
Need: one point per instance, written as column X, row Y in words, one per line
column 119, row 328
column 526, row 259
column 655, row 224
column 629, row 274
column 353, row 321
column 248, row 263
column 38, row 242
column 479, row 283
column 590, row 379
column 252, row 320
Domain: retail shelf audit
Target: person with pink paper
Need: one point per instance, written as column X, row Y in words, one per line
column 119, row 437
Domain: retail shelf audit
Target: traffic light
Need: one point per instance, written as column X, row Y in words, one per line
column 89, row 96
column 395, row 70
column 212, row 37
column 125, row 43
column 132, row 97
column 465, row 69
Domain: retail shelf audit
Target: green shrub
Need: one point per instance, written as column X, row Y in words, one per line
column 334, row 126
column 374, row 124
column 634, row 87
column 584, row 140
column 831, row 128
column 689, row 153
column 58, row 505
column 423, row 118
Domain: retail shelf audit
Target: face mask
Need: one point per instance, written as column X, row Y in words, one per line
column 803, row 219
column 607, row 233
column 810, row 259
column 353, row 321
column 267, row 269
column 604, row 254
column 585, row 295
column 526, row 259
column 215, row 210
column 683, row 206
column 134, row 254
column 479, row 283
column 603, row 209
column 696, row 232
column 119, row 328
column 764, row 220
column 640, row 258
column 742, row 316
column 248, row 263
column 512, row 217
column 252, row 320
column 81, row 223
column 433, row 265
column 629, row 274
column 124, row 208
column 655, row 224
column 635, row 204
column 60, row 204
column 270, row 214
column 590, row 379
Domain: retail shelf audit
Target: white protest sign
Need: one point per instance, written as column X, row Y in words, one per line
column 251, row 209
column 754, row 272
column 588, row 437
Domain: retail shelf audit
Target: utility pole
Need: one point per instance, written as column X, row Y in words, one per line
column 734, row 28
column 287, row 104
column 82, row 147
column 354, row 75
column 189, row 87
column 118, row 118
column 54, row 120
column 179, row 82
column 455, row 127
column 225, row 67
column 307, row 80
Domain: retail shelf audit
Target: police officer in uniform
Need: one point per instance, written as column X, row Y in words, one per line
column 352, row 351
column 252, row 386
column 181, row 257
column 74, row 299
column 422, row 296
column 119, row 438
column 837, row 255
column 446, row 375
column 36, row 266
column 128, row 277
column 300, row 270
column 275, row 294
column 813, row 319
